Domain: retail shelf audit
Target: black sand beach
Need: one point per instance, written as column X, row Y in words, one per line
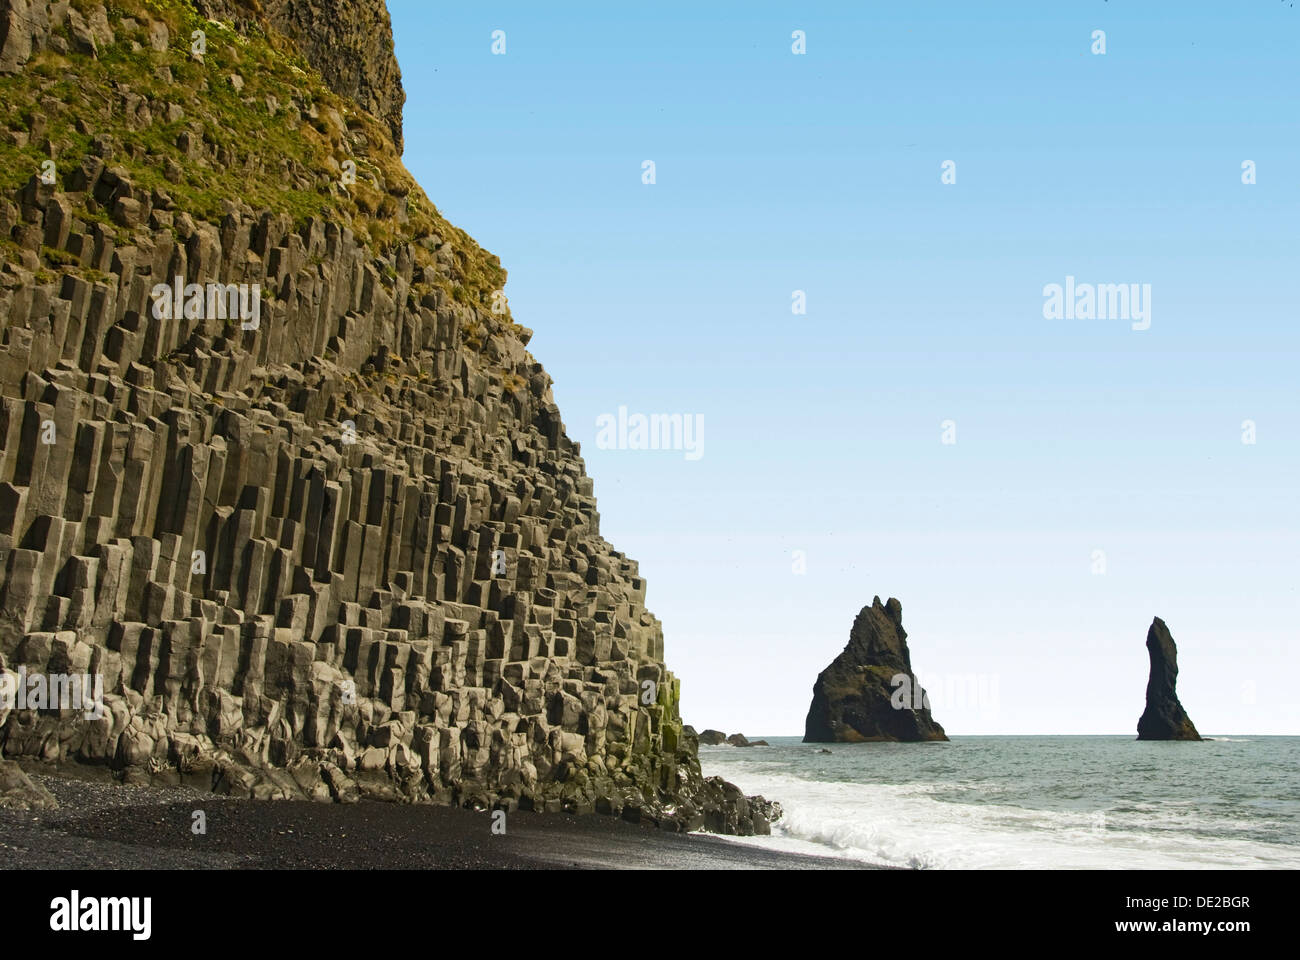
column 109, row 826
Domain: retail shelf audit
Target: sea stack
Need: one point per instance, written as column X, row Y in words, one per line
column 869, row 691
column 1164, row 717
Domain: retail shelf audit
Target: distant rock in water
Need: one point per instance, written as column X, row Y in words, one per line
column 714, row 738
column 869, row 691
column 740, row 740
column 1164, row 717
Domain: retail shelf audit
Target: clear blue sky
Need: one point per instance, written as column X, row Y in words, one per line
column 822, row 432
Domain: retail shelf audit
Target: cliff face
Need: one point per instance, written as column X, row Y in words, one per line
column 1164, row 717
column 858, row 697
column 329, row 543
column 348, row 42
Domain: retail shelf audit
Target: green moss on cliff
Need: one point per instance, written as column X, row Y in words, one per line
column 247, row 120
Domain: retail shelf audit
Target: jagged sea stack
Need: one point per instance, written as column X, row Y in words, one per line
column 1164, row 717
column 275, row 461
column 857, row 697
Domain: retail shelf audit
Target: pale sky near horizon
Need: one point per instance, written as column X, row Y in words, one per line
column 823, row 432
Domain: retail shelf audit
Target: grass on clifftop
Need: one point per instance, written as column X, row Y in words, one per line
column 279, row 136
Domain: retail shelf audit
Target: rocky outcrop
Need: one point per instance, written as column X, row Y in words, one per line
column 336, row 547
column 712, row 738
column 18, row 792
column 869, row 691
column 1164, row 717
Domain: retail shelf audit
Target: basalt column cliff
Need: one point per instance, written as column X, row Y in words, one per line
column 274, row 460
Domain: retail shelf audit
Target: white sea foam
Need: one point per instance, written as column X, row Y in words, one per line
column 909, row 826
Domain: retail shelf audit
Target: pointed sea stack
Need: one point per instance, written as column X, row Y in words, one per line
column 856, row 698
column 1164, row 717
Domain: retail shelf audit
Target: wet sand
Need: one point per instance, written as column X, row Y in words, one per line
column 109, row 826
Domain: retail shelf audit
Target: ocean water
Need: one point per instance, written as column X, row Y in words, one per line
column 1037, row 802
